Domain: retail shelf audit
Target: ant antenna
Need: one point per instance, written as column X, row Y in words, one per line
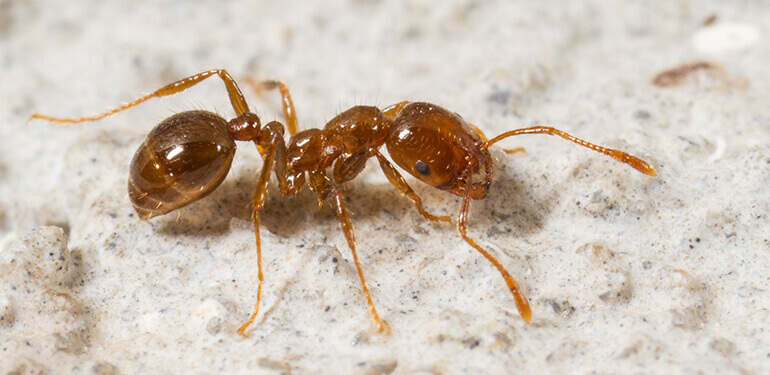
column 638, row 164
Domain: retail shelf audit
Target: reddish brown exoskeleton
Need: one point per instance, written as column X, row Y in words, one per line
column 189, row 154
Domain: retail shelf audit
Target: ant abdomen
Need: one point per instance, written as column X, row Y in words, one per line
column 183, row 159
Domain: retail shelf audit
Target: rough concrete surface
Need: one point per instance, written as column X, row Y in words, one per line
column 625, row 273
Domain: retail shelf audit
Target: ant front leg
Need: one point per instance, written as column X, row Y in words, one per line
column 398, row 181
column 348, row 168
column 320, row 183
column 236, row 97
column 289, row 114
column 484, row 138
column 462, row 220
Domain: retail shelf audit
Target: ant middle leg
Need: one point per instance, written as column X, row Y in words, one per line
column 320, row 183
column 236, row 97
column 289, row 114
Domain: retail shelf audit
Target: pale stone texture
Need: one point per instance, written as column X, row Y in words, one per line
column 626, row 273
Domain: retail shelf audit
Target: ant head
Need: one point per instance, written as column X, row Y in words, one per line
column 439, row 148
column 182, row 160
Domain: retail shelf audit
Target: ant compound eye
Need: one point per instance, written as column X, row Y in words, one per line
column 421, row 167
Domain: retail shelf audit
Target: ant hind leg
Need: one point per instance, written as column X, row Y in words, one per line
column 289, row 114
column 236, row 97
column 257, row 203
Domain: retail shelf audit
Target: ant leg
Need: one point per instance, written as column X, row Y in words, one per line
column 256, row 204
column 462, row 220
column 347, row 168
column 393, row 111
column 347, row 228
column 516, row 150
column 481, row 133
column 636, row 163
column 236, row 97
column 398, row 181
column 485, row 139
column 321, row 184
column 289, row 114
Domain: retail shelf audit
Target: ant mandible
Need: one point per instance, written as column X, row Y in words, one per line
column 188, row 155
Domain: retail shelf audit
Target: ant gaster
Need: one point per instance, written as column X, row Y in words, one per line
column 189, row 154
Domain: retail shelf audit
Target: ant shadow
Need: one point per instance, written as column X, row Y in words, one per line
column 212, row 215
column 515, row 205
column 511, row 207
column 282, row 215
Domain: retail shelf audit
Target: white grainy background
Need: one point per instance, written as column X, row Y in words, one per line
column 625, row 273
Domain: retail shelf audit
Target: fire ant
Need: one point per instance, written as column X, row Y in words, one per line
column 188, row 155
